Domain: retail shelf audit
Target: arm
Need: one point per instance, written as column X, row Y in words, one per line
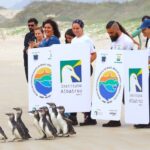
column 135, row 33
column 93, row 57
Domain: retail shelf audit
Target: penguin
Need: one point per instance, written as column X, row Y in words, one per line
column 45, row 125
column 2, row 135
column 36, row 123
column 15, row 128
column 21, row 123
column 48, row 116
column 54, row 113
column 65, row 123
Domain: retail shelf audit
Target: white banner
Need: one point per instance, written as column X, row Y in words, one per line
column 40, row 77
column 108, row 85
column 60, row 74
column 136, row 87
column 71, row 77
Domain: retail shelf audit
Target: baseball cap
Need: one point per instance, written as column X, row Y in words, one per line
column 145, row 24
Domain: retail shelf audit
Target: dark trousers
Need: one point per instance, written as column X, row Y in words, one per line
column 25, row 58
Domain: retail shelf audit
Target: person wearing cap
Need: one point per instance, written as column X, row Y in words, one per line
column 138, row 31
column 80, row 37
column 145, row 27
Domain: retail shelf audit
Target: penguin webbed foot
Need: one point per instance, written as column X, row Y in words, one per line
column 51, row 138
column 44, row 137
column 66, row 135
column 60, row 135
column 72, row 132
column 3, row 140
column 15, row 140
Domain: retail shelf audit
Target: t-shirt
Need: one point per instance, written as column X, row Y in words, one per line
column 48, row 42
column 84, row 39
column 124, row 42
column 28, row 37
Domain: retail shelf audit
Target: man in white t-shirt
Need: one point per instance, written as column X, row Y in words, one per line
column 120, row 41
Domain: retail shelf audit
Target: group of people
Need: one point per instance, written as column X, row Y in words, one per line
column 49, row 34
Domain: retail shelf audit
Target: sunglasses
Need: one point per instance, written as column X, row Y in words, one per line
column 30, row 25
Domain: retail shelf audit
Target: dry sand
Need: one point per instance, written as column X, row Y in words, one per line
column 13, row 89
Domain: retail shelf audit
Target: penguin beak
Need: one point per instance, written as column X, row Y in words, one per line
column 16, row 108
column 8, row 114
column 50, row 105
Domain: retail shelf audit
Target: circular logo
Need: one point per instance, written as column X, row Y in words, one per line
column 108, row 85
column 42, row 81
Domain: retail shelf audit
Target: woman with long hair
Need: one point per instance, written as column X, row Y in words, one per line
column 52, row 33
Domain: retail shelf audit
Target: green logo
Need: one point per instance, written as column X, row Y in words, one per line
column 135, row 80
column 70, row 71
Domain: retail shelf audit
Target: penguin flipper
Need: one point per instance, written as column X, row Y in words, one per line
column 44, row 126
column 71, row 129
column 24, row 129
column 13, row 131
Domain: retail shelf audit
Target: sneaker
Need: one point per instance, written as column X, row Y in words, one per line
column 112, row 124
column 74, row 120
column 88, row 121
column 140, row 126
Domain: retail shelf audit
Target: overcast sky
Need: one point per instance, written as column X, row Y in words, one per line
column 10, row 3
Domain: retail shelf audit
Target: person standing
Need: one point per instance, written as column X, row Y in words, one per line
column 52, row 33
column 39, row 35
column 80, row 37
column 69, row 35
column 120, row 41
column 138, row 31
column 145, row 27
column 29, row 37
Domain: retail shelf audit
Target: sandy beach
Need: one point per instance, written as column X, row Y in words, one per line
column 14, row 93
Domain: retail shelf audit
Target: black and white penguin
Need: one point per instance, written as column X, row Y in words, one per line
column 20, row 123
column 36, row 123
column 15, row 128
column 54, row 113
column 2, row 134
column 45, row 125
column 65, row 123
column 48, row 116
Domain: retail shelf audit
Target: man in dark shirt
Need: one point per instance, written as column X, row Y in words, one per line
column 29, row 37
